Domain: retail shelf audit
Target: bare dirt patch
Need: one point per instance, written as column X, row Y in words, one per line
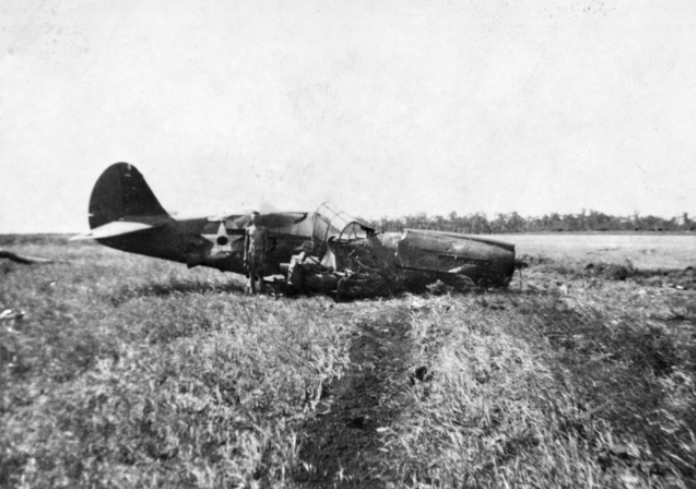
column 341, row 442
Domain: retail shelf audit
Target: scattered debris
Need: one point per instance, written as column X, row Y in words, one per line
column 9, row 314
column 609, row 270
column 357, row 423
column 603, row 250
column 420, row 374
column 524, row 261
column 418, row 305
column 439, row 288
column 684, row 279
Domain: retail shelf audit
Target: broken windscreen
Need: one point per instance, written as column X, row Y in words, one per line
column 331, row 222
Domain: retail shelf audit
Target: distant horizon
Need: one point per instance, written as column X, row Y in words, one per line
column 430, row 216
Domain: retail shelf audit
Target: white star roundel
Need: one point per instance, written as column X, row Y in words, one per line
column 221, row 242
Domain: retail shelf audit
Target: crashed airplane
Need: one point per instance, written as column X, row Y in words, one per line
column 325, row 251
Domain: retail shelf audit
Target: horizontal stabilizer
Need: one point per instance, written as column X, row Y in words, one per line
column 115, row 228
column 23, row 259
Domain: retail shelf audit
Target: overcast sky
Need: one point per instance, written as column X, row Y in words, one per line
column 385, row 108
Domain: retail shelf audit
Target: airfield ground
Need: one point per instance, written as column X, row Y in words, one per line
column 648, row 251
column 122, row 371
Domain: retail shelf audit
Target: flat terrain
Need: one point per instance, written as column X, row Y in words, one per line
column 645, row 251
column 122, row 371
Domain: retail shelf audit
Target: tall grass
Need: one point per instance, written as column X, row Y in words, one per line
column 131, row 372
column 587, row 388
column 114, row 378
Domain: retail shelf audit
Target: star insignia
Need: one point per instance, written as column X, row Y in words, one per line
column 221, row 242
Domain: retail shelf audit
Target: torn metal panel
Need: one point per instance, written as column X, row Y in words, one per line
column 362, row 254
column 420, row 257
column 456, row 254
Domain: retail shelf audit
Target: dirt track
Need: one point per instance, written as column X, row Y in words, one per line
column 342, row 440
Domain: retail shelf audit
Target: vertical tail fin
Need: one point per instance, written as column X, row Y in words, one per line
column 121, row 191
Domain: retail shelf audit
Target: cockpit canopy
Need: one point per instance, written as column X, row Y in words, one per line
column 332, row 222
column 325, row 223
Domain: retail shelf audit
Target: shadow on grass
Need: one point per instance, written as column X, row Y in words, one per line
column 173, row 287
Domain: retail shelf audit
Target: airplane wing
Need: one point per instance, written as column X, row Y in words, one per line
column 282, row 219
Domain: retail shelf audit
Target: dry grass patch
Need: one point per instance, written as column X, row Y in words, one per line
column 127, row 371
column 118, row 378
column 570, row 386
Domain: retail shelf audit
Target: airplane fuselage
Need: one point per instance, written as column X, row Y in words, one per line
column 126, row 215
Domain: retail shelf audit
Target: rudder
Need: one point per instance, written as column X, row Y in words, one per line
column 119, row 192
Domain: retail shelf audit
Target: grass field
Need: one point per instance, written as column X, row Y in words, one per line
column 122, row 371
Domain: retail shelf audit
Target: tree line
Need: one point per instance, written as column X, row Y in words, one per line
column 587, row 221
